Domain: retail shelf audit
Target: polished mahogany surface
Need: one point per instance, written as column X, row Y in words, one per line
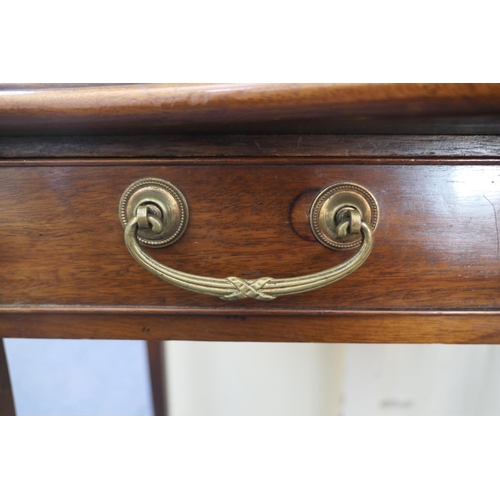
column 251, row 108
column 477, row 327
column 250, row 159
column 437, row 243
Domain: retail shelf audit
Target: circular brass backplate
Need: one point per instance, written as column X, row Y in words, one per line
column 329, row 201
column 167, row 198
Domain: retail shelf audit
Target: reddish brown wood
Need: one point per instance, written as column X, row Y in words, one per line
column 157, row 374
column 145, row 163
column 378, row 147
column 50, row 86
column 6, row 396
column 65, row 267
column 358, row 327
column 253, row 108
column 437, row 244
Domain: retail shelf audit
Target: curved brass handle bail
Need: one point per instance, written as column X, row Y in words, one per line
column 233, row 288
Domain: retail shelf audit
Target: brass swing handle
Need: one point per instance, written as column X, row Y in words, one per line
column 233, row 288
column 155, row 213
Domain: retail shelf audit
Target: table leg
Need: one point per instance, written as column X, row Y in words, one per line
column 158, row 376
column 6, row 397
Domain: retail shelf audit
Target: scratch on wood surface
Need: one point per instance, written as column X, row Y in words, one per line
column 257, row 145
column 496, row 224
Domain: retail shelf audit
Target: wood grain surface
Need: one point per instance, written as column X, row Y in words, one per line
column 251, row 108
column 437, row 245
column 351, row 326
column 430, row 153
column 377, row 147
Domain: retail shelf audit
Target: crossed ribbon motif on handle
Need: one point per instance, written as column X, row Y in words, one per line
column 251, row 289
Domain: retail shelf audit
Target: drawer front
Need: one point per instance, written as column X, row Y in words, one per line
column 437, row 244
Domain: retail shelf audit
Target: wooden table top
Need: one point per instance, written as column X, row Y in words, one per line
column 41, row 109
